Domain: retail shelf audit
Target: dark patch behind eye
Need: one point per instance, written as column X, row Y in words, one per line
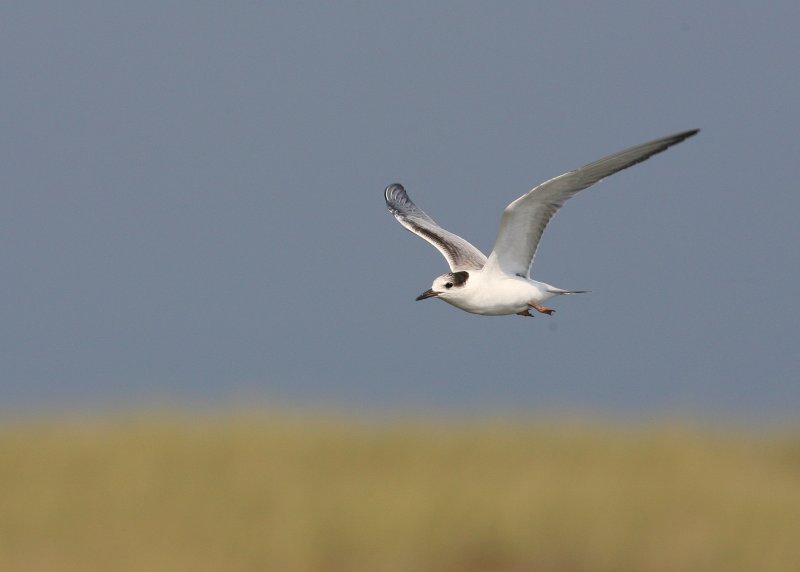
column 460, row 278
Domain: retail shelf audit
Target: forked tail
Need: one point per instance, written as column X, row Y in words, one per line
column 560, row 291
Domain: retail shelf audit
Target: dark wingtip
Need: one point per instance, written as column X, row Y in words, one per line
column 392, row 193
column 392, row 189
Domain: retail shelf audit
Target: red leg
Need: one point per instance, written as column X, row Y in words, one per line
column 525, row 313
column 542, row 309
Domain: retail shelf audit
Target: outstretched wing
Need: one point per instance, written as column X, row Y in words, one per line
column 525, row 219
column 460, row 254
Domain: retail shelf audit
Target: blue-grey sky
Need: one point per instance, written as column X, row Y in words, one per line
column 192, row 209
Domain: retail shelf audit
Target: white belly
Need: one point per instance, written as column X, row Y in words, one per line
column 502, row 297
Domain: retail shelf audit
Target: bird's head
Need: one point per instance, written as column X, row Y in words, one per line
column 447, row 285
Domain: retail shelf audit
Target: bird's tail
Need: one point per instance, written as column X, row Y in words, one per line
column 559, row 291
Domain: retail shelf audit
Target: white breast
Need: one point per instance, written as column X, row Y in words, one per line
column 497, row 295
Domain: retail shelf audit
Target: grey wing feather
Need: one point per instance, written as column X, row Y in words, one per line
column 460, row 254
column 525, row 219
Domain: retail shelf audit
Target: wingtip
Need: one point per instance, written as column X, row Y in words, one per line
column 393, row 187
column 392, row 190
column 671, row 140
column 396, row 197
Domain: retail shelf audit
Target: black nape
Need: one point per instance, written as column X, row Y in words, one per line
column 460, row 278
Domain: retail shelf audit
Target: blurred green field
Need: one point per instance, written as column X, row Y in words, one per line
column 270, row 492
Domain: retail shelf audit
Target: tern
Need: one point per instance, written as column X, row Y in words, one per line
column 502, row 284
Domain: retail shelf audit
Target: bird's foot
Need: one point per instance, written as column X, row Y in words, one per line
column 541, row 309
column 525, row 313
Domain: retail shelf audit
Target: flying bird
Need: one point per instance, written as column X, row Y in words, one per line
column 502, row 284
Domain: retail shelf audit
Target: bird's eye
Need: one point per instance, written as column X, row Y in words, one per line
column 448, row 285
